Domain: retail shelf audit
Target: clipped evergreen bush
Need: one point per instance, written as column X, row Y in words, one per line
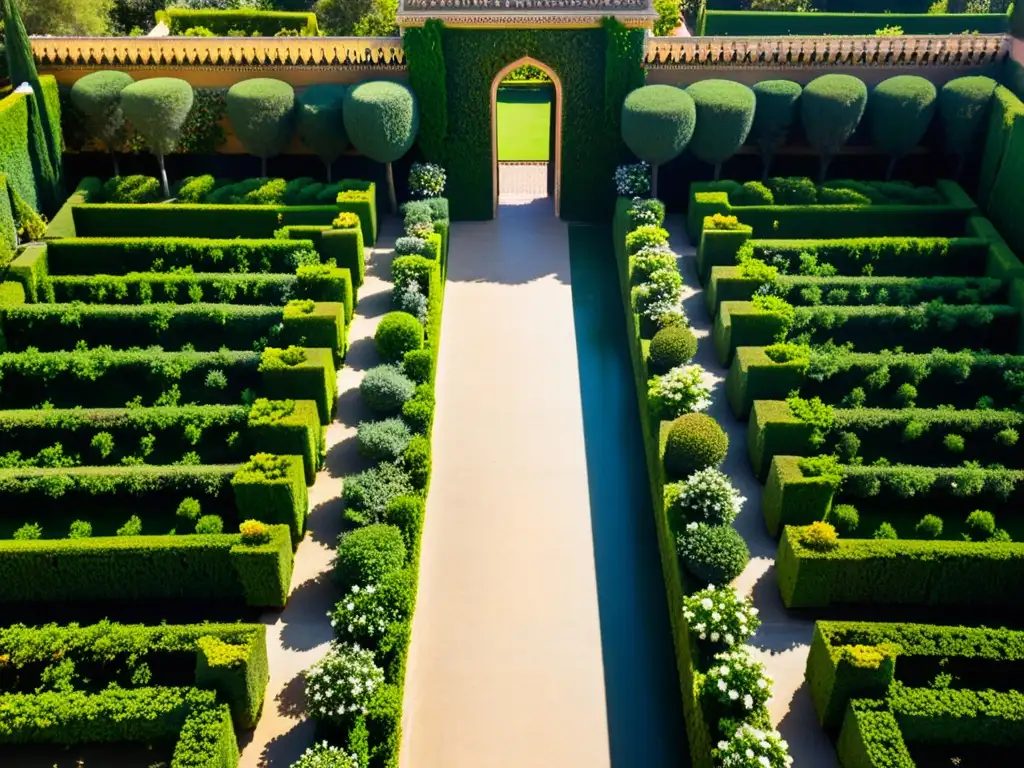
column 382, row 118
column 406, row 512
column 777, row 102
column 830, row 110
column 321, row 123
column 416, row 460
column 845, row 518
column 695, row 442
column 964, row 105
column 262, row 112
column 385, row 389
column 367, row 494
column 383, row 440
column 98, row 97
column 367, row 555
column 980, row 525
column 929, row 527
column 725, row 114
column 714, row 554
column 398, row 333
column 210, row 524
column 670, row 347
column 157, row 109
column 900, row 111
column 657, row 123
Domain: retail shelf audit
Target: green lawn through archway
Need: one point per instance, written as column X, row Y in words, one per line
column 524, row 123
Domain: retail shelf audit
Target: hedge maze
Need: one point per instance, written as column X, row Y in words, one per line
column 874, row 347
column 167, row 372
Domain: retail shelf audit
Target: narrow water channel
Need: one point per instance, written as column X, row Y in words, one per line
column 645, row 719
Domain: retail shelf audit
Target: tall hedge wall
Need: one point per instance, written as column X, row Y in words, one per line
column 860, row 23
column 15, row 159
column 1002, row 167
column 472, row 59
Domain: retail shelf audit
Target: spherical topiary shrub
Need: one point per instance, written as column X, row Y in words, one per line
column 725, row 114
column 657, row 124
column 899, row 112
column 672, row 346
column 385, row 388
column 845, row 518
column 383, row 440
column 98, row 97
column 819, row 536
column 367, row 555
column 964, row 104
column 210, row 524
column 885, row 531
column 715, row 554
column 398, row 333
column 262, row 112
column 320, row 122
column 831, row 109
column 695, row 442
column 157, row 109
column 929, row 527
column 980, row 525
column 776, row 111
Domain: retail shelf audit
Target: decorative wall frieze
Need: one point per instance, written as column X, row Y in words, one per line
column 872, row 51
column 248, row 52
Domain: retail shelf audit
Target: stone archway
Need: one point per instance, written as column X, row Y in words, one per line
column 557, row 124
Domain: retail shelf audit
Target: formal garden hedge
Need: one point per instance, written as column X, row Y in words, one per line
column 251, row 22
column 857, row 24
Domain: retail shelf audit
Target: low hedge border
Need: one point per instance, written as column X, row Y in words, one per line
column 191, row 719
column 996, row 327
column 231, row 659
column 194, row 567
column 254, row 23
column 313, row 377
column 850, row 660
column 345, row 247
column 823, row 221
column 775, row 429
column 273, row 497
column 882, row 571
column 794, row 497
column 777, row 24
column 940, row 377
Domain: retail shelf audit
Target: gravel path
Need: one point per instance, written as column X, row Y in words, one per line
column 783, row 641
column 300, row 635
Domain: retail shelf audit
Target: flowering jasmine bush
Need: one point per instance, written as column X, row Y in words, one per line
column 737, row 681
column 646, row 211
column 323, row 755
column 341, row 685
column 633, row 180
column 661, row 293
column 751, row 747
column 721, row 615
column 426, row 180
column 707, row 496
column 681, row 390
column 362, row 617
column 649, row 260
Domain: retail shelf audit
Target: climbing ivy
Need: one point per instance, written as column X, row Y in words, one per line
column 425, row 57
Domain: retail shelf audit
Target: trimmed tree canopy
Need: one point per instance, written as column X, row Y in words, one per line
column 321, row 124
column 157, row 109
column 964, row 105
column 725, row 113
column 262, row 111
column 831, row 109
column 658, row 122
column 901, row 109
column 381, row 117
column 98, row 97
column 776, row 112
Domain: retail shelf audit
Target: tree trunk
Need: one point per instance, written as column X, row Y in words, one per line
column 163, row 177
column 766, row 163
column 718, row 171
column 654, row 181
column 113, row 157
column 391, row 188
column 823, row 171
column 891, row 169
column 329, row 172
column 959, row 167
column 263, row 167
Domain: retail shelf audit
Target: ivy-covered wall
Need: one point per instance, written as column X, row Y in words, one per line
column 592, row 98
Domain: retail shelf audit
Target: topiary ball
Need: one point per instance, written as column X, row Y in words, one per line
column 406, row 512
column 385, row 389
column 381, row 118
column 367, row 555
column 262, row 113
column 658, row 122
column 929, row 527
column 885, row 531
column 670, row 347
column 383, row 440
column 715, row 554
column 725, row 114
column 210, row 524
column 845, row 518
column 98, row 97
column 980, row 525
column 398, row 333
column 695, row 442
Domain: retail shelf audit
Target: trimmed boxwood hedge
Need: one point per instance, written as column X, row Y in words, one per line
column 253, row 22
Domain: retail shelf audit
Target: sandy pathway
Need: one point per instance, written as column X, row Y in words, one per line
column 505, row 667
column 783, row 641
column 300, row 635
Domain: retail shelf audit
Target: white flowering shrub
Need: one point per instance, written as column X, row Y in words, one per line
column 646, row 211
column 721, row 615
column 750, row 747
column 662, row 292
column 340, row 685
column 649, row 260
column 681, row 390
column 323, row 755
column 633, row 180
column 426, row 180
column 362, row 617
column 737, row 681
column 411, row 299
column 707, row 496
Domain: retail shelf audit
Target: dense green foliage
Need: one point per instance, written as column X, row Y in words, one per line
column 900, row 113
column 262, row 112
column 658, row 122
column 776, row 112
column 725, row 114
column 831, row 109
column 964, row 105
column 98, row 97
column 157, row 109
column 320, row 123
